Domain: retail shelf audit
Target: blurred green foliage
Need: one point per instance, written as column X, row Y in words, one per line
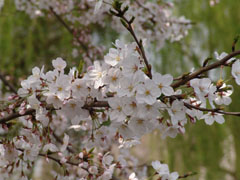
column 25, row 42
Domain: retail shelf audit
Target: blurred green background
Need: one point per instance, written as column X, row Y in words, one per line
column 212, row 151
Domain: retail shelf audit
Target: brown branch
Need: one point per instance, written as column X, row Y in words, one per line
column 140, row 45
column 71, row 31
column 10, row 86
column 52, row 158
column 128, row 25
column 204, row 69
column 190, row 106
column 187, row 175
column 16, row 115
column 31, row 111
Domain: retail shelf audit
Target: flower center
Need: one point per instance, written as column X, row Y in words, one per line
column 114, row 78
column 60, row 89
column 147, row 92
column 118, row 58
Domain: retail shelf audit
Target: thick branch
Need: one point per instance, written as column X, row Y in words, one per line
column 204, row 69
column 16, row 115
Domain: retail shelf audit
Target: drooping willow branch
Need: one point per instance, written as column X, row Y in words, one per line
column 71, row 31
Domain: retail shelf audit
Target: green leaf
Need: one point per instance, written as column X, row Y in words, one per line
column 106, row 123
column 91, row 150
column 117, row 5
column 80, row 66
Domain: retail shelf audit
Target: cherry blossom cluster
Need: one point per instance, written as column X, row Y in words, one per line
column 115, row 102
column 157, row 22
column 163, row 171
column 87, row 121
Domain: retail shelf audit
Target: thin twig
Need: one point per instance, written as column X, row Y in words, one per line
column 16, row 115
column 139, row 43
column 52, row 158
column 9, row 85
column 70, row 30
column 187, row 175
column 190, row 106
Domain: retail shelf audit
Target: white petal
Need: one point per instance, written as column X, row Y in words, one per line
column 209, row 121
column 167, row 91
column 219, row 119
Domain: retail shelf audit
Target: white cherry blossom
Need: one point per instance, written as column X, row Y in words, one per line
column 147, row 92
column 163, row 82
column 210, row 117
column 236, row 71
column 161, row 169
column 97, row 74
column 59, row 64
